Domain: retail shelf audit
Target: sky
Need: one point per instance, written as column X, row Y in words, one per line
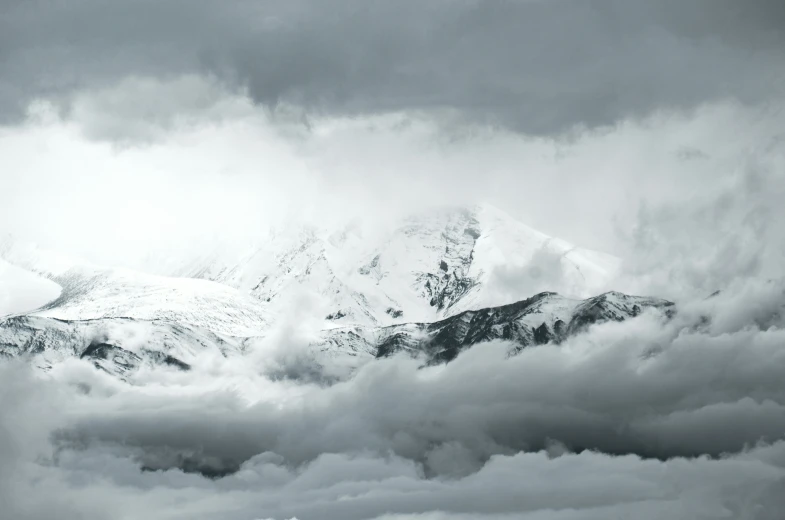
column 650, row 130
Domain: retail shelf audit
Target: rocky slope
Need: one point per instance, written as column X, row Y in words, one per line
column 119, row 346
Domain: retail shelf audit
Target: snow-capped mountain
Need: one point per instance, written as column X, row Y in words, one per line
column 428, row 267
column 432, row 285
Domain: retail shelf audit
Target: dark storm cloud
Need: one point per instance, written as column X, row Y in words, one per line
column 537, row 66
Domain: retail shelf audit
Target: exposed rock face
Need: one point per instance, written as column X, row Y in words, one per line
column 452, row 280
column 544, row 318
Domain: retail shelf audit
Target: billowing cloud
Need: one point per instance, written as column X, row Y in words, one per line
column 648, row 418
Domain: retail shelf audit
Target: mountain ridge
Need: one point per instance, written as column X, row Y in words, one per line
column 134, row 343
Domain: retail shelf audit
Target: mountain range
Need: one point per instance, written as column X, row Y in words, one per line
column 430, row 286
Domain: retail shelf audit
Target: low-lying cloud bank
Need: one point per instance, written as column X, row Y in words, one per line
column 646, row 418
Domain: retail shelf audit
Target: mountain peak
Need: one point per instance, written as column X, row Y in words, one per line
column 432, row 265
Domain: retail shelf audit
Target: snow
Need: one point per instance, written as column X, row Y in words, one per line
column 90, row 294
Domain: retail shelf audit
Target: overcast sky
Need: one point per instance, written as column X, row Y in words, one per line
column 540, row 67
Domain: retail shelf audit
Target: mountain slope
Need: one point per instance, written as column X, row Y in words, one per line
column 122, row 320
column 119, row 346
column 90, row 294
